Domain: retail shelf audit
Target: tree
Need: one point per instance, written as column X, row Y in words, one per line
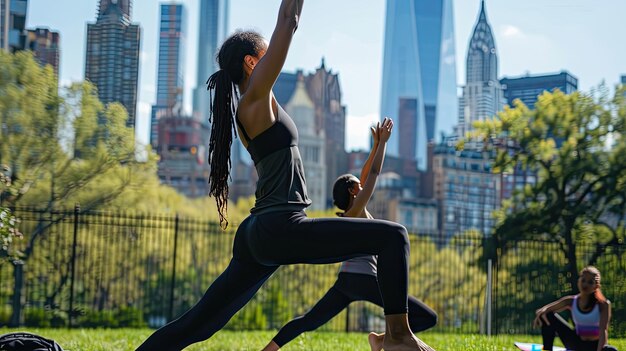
column 61, row 149
column 8, row 222
column 575, row 144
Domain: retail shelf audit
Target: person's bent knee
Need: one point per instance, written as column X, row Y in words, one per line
column 398, row 235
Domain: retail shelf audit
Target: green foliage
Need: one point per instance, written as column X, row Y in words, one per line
column 44, row 318
column 575, row 144
column 251, row 318
column 125, row 317
column 437, row 274
column 8, row 233
column 8, row 222
column 63, row 146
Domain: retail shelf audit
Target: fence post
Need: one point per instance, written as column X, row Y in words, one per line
column 173, row 285
column 348, row 319
column 488, row 297
column 73, row 262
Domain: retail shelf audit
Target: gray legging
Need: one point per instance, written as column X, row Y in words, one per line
column 568, row 336
column 348, row 288
column 265, row 242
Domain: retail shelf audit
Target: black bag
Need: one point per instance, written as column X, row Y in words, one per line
column 21, row 341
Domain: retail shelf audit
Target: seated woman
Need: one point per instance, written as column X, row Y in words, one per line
column 591, row 312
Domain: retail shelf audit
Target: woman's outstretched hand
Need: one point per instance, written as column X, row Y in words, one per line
column 384, row 130
column 375, row 134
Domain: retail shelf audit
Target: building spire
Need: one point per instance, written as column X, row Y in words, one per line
column 483, row 16
column 482, row 60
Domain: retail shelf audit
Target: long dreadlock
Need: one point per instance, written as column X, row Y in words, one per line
column 223, row 109
column 223, row 127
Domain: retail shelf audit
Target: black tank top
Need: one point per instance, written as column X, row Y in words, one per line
column 281, row 185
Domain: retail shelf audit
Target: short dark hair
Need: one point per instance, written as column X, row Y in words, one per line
column 341, row 190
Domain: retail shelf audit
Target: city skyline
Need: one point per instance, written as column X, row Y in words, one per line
column 171, row 66
column 112, row 58
column 419, row 75
column 528, row 36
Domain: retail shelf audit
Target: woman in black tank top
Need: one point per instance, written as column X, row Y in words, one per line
column 277, row 232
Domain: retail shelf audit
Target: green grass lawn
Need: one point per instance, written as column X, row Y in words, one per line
column 128, row 339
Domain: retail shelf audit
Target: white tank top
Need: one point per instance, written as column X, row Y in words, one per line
column 587, row 323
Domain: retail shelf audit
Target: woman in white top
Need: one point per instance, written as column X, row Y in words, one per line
column 591, row 312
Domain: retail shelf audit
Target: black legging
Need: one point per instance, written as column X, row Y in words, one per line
column 264, row 242
column 568, row 336
column 348, row 288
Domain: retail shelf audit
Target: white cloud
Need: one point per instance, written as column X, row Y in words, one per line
column 357, row 131
column 510, row 31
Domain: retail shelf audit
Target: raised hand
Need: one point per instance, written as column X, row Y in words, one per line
column 384, row 130
column 375, row 134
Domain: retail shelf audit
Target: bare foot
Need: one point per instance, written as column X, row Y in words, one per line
column 272, row 346
column 376, row 341
column 411, row 343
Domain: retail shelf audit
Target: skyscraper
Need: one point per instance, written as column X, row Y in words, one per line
column 419, row 64
column 45, row 45
column 13, row 24
column 528, row 88
column 171, row 73
column 112, row 60
column 212, row 31
column 482, row 94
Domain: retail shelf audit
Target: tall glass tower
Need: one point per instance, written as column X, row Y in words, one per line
column 419, row 65
column 12, row 24
column 112, row 60
column 213, row 30
column 171, row 72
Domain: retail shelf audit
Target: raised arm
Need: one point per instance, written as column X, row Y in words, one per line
column 370, row 158
column 361, row 200
column 268, row 68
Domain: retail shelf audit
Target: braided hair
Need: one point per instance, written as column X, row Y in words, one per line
column 223, row 107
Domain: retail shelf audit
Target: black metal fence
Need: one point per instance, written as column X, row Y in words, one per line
column 114, row 269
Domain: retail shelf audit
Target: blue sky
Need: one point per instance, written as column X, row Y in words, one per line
column 536, row 36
